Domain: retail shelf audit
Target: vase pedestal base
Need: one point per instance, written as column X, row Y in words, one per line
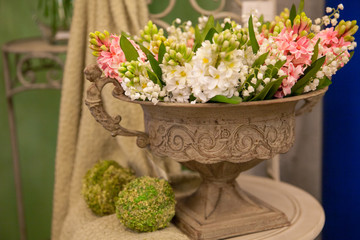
column 222, row 210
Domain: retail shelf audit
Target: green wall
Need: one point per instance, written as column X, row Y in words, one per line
column 37, row 118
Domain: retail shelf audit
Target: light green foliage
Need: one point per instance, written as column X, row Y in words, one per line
column 347, row 30
column 102, row 184
column 177, row 54
column 152, row 37
column 146, row 204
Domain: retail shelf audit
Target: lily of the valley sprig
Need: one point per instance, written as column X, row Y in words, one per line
column 226, row 62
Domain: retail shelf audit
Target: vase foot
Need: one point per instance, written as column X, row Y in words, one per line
column 219, row 211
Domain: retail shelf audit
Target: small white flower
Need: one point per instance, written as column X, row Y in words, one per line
column 238, row 27
column 341, row 6
column 328, row 10
column 281, row 73
column 260, row 76
column 178, row 20
column 326, row 20
column 154, row 101
column 345, row 59
column 236, row 93
column 337, row 50
column 333, row 21
column 266, row 80
column 227, row 20
column 317, row 21
column 150, row 84
column 316, row 81
column 253, row 81
column 155, row 95
column 260, row 88
column 189, row 23
column 251, row 89
column 306, row 89
column 245, row 93
column 319, row 74
column 336, row 15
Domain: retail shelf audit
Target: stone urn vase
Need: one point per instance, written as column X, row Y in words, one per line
column 219, row 141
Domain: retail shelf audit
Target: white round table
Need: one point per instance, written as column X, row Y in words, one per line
column 304, row 212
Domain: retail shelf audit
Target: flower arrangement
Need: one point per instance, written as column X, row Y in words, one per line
column 227, row 62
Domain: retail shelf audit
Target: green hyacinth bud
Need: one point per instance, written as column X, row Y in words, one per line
column 99, row 42
column 177, row 54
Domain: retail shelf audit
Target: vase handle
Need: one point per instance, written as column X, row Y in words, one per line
column 94, row 102
column 309, row 104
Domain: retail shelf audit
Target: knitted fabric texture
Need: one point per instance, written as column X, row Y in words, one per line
column 82, row 141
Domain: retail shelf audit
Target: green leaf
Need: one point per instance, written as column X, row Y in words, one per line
column 262, row 94
column 125, row 35
column 292, row 14
column 253, row 41
column 192, row 97
column 210, row 34
column 208, row 26
column 316, row 51
column 198, row 37
column 144, row 49
column 324, row 82
column 260, row 60
column 223, row 99
column 162, row 50
column 279, row 64
column 153, row 77
column 261, row 19
column 218, row 27
column 227, row 26
column 155, row 67
column 351, row 55
column 128, row 49
column 276, row 68
column 308, row 74
column 274, row 88
column 196, row 46
column 301, row 7
column 248, row 79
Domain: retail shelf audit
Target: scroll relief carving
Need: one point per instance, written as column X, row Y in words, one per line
column 214, row 142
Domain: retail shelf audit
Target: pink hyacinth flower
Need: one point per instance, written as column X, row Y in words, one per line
column 110, row 61
column 293, row 74
column 284, row 40
column 328, row 37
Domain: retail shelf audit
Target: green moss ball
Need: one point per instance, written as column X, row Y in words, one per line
column 102, row 184
column 146, row 204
